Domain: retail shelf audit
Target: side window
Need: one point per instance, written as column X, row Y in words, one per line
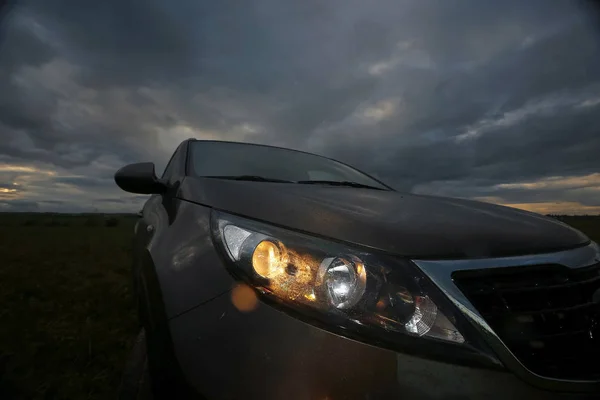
column 171, row 166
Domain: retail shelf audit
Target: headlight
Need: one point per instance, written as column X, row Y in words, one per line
column 337, row 284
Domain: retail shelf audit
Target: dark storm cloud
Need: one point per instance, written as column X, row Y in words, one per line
column 19, row 205
column 564, row 143
column 429, row 95
column 7, row 186
column 84, row 181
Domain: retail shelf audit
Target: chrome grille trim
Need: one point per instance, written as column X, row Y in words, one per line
column 440, row 272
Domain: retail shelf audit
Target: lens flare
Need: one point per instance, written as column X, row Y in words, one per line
column 244, row 298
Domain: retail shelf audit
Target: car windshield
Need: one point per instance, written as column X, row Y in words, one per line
column 223, row 159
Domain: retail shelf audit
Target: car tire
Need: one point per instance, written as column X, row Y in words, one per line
column 135, row 383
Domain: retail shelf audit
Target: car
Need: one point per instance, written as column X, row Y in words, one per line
column 268, row 273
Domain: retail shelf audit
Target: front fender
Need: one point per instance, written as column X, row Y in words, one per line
column 181, row 259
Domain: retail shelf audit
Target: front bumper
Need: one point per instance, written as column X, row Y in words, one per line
column 262, row 353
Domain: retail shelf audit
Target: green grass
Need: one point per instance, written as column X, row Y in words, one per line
column 66, row 316
column 66, row 320
column 590, row 225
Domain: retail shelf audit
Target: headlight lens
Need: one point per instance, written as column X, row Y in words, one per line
column 339, row 284
column 343, row 279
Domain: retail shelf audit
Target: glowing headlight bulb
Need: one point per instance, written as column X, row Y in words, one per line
column 344, row 280
column 268, row 259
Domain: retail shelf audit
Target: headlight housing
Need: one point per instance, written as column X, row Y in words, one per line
column 344, row 287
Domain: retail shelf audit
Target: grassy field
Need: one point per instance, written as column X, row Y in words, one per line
column 66, row 320
column 590, row 225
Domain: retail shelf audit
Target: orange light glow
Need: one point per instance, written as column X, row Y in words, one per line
column 299, row 283
column 310, row 296
column 244, row 298
column 25, row 169
column 268, row 260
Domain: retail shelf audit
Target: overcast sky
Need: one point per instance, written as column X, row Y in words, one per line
column 490, row 100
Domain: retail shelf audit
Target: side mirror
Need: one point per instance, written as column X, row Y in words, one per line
column 139, row 178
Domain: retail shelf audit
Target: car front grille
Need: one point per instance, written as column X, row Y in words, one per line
column 547, row 315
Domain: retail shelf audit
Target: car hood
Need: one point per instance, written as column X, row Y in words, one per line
column 410, row 225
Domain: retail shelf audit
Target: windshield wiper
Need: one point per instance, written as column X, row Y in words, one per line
column 341, row 183
column 258, row 178
column 252, row 178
